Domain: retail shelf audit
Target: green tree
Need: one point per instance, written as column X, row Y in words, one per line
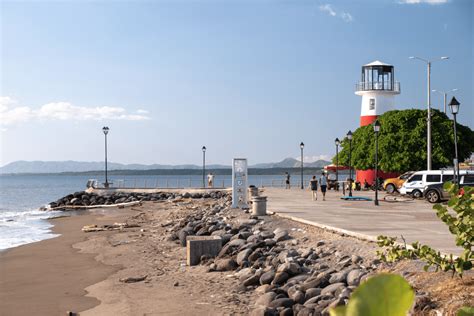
column 402, row 142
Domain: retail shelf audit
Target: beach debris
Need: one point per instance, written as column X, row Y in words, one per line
column 115, row 226
column 133, row 279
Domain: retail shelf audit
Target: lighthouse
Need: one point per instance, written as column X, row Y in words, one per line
column 378, row 89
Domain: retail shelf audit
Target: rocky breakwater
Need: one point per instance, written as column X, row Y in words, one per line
column 86, row 199
column 289, row 279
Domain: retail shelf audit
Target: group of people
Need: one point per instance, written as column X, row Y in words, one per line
column 313, row 185
column 323, row 184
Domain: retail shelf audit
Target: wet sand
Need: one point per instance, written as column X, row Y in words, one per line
column 49, row 277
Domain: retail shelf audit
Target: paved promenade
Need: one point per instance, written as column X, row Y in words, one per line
column 415, row 220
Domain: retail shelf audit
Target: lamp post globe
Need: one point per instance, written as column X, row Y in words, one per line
column 302, row 147
column 454, row 106
column 349, row 137
column 105, row 130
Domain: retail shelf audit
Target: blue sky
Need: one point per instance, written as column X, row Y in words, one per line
column 245, row 78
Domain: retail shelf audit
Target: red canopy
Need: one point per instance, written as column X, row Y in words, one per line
column 333, row 167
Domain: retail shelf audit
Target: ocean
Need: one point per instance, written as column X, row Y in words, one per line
column 21, row 196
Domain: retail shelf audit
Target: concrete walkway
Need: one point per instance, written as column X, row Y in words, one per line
column 415, row 220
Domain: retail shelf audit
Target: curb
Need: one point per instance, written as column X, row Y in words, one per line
column 339, row 231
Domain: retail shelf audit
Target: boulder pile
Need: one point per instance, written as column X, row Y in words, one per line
column 83, row 198
column 290, row 280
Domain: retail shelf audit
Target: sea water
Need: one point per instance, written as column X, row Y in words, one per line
column 21, row 197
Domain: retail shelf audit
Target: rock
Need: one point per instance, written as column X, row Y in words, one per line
column 306, row 312
column 290, row 268
column 354, row 276
column 331, row 289
column 267, row 277
column 264, row 311
column 243, row 255
column 338, row 302
column 237, row 243
column 307, row 252
column 244, row 274
column 298, row 278
column 281, row 302
column 346, row 293
column 317, row 299
column 310, row 293
column 321, row 280
column 265, row 299
column 266, row 235
column 281, row 235
column 320, row 243
column 280, row 278
column 225, row 264
column 255, row 256
column 262, row 289
column 338, row 277
column 356, row 259
column 133, row 279
column 253, row 280
column 183, row 234
column 270, row 242
column 286, row 312
column 298, row 297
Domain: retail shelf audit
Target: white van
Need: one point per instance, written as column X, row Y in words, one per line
column 417, row 182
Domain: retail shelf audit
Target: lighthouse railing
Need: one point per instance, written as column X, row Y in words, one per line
column 378, row 86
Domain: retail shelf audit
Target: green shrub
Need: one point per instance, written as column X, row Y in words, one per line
column 461, row 225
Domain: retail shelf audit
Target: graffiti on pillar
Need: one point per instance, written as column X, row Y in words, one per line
column 239, row 183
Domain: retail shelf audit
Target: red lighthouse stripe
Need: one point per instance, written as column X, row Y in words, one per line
column 366, row 120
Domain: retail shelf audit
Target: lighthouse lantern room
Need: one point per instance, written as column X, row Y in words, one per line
column 378, row 89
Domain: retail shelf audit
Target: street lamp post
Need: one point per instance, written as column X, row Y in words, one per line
column 204, row 166
column 349, row 137
column 105, row 129
column 454, row 105
column 302, row 147
column 445, row 95
column 376, row 131
column 337, row 142
column 428, row 120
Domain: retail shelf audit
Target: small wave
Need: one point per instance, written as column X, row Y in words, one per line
column 24, row 227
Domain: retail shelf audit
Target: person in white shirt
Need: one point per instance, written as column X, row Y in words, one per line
column 210, row 180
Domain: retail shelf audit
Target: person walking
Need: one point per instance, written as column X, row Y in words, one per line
column 287, row 181
column 313, row 184
column 323, row 183
column 210, row 180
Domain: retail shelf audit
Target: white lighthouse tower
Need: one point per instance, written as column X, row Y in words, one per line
column 378, row 89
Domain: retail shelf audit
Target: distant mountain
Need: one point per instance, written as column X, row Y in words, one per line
column 292, row 163
column 83, row 166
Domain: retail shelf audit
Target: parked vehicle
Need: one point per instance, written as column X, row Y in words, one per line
column 391, row 185
column 416, row 183
column 434, row 193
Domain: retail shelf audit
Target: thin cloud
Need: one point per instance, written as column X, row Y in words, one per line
column 309, row 159
column 432, row 2
column 11, row 113
column 345, row 16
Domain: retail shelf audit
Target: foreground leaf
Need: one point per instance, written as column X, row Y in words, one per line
column 384, row 294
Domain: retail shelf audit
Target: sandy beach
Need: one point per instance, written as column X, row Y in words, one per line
column 141, row 270
column 49, row 277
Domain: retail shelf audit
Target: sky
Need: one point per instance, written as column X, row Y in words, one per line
column 244, row 78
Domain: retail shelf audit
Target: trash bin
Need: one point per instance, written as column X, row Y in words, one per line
column 253, row 191
column 259, row 205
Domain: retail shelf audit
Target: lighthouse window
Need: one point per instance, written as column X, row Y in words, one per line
column 372, row 104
